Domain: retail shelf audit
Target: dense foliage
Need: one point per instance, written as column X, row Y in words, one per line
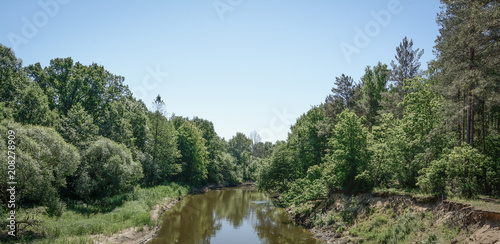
column 82, row 138
column 434, row 131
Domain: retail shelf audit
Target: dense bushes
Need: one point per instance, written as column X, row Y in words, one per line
column 459, row 172
column 107, row 169
column 43, row 160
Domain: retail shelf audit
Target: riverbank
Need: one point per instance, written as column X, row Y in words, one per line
column 143, row 234
column 398, row 218
column 130, row 216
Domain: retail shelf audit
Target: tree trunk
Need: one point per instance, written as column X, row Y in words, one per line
column 472, row 122
column 468, row 135
column 484, row 131
column 459, row 123
column 463, row 117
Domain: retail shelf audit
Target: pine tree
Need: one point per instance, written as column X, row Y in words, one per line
column 468, row 52
column 408, row 64
column 405, row 67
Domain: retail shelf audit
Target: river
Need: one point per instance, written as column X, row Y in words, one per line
column 238, row 215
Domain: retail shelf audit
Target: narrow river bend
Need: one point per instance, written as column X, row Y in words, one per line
column 238, row 215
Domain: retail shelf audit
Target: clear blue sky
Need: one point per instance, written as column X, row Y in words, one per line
column 244, row 65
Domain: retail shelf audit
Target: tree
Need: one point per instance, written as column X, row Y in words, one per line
column 347, row 164
column 194, row 155
column 420, row 138
column 215, row 149
column 374, row 84
column 306, row 141
column 408, row 64
column 78, row 127
column 33, row 107
column 229, row 171
column 468, row 58
column 344, row 89
column 162, row 148
column 457, row 173
column 240, row 148
column 12, row 77
column 345, row 94
column 66, row 83
column 277, row 172
column 43, row 161
column 108, row 169
column 139, row 120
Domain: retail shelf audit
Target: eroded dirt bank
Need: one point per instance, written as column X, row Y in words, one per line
column 393, row 218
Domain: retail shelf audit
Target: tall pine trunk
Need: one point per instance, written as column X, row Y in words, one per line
column 469, row 110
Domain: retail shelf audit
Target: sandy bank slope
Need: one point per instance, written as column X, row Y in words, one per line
column 142, row 234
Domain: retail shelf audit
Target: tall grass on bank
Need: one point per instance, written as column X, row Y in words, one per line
column 80, row 221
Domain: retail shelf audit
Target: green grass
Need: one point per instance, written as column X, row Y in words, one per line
column 408, row 192
column 78, row 226
column 492, row 205
column 385, row 226
column 479, row 204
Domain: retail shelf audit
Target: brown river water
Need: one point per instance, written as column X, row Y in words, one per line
column 239, row 215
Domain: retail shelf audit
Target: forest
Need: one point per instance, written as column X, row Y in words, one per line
column 434, row 131
column 84, row 143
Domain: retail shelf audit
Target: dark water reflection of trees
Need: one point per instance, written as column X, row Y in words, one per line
column 198, row 218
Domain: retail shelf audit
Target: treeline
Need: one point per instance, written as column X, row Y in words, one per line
column 436, row 132
column 80, row 136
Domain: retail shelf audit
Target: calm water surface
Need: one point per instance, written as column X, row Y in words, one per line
column 234, row 215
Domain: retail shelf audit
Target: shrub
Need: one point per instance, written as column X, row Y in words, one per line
column 457, row 173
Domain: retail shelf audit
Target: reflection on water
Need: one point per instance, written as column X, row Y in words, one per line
column 234, row 215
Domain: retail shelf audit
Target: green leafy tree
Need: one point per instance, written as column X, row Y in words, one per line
column 12, row 77
column 240, row 147
column 422, row 138
column 262, row 149
column 43, row 161
column 348, row 161
column 33, row 108
column 137, row 115
column 344, row 90
column 215, row 149
column 311, row 187
column 108, row 169
column 277, row 172
column 374, row 84
column 309, row 145
column 78, row 127
column 162, row 149
column 194, row 155
column 229, row 170
column 387, row 149
column 66, row 83
column 457, row 173
column 117, row 125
